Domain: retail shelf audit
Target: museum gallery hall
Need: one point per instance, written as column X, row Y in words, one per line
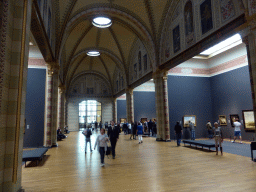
column 69, row 66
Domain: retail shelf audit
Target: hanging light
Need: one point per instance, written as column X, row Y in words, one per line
column 93, row 53
column 102, row 22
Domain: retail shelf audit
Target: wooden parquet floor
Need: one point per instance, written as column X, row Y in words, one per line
column 150, row 166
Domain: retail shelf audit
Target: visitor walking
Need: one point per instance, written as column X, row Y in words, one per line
column 192, row 129
column 218, row 138
column 209, row 129
column 101, row 142
column 87, row 133
column 140, row 132
column 237, row 133
column 113, row 134
column 178, row 132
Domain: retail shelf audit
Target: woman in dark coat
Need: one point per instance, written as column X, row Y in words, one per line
column 134, row 130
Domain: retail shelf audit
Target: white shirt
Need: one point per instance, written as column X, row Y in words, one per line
column 237, row 126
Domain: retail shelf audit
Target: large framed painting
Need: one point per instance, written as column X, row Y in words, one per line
column 223, row 120
column 176, row 39
column 232, row 119
column 249, row 120
column 122, row 120
column 206, row 16
column 142, row 120
column 189, row 28
column 187, row 118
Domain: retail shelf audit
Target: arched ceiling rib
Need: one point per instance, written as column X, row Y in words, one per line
column 131, row 20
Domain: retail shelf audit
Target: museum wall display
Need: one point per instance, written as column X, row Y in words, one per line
column 35, row 106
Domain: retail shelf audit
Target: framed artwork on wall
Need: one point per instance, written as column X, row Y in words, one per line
column 249, row 121
column 187, row 118
column 122, row 120
column 142, row 120
column 206, row 16
column 232, row 117
column 223, row 120
column 176, row 39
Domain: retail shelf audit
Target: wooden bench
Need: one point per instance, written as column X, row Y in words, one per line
column 34, row 154
column 202, row 143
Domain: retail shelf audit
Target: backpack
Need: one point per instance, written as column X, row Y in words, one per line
column 84, row 132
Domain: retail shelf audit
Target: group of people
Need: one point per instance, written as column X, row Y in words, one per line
column 103, row 139
column 131, row 128
column 138, row 129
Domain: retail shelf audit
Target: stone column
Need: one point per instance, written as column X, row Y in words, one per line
column 55, row 92
column 129, row 105
column 61, row 119
column 162, row 106
column 115, row 110
column 52, row 104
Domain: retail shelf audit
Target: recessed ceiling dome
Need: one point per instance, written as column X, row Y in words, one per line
column 102, row 22
column 93, row 53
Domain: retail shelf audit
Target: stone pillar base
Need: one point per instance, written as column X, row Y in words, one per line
column 55, row 145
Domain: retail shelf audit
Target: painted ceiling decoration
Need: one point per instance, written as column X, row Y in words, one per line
column 130, row 21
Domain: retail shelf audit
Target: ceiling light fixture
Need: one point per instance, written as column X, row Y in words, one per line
column 102, row 22
column 93, row 53
column 30, row 43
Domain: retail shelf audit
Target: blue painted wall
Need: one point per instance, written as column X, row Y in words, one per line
column 231, row 93
column 121, row 109
column 189, row 96
column 35, row 103
column 207, row 98
column 144, row 105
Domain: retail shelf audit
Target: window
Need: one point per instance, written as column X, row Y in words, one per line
column 89, row 111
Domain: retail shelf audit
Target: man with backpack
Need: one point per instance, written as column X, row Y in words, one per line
column 87, row 133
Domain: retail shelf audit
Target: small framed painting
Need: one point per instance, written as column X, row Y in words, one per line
column 187, row 119
column 223, row 120
column 233, row 117
column 249, row 120
column 122, row 120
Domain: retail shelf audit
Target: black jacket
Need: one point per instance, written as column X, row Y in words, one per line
column 89, row 133
column 178, row 128
column 113, row 134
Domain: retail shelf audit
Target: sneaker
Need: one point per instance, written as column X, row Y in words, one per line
column 241, row 142
column 102, row 164
column 233, row 141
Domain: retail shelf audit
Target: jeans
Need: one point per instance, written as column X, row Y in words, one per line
column 193, row 135
column 178, row 137
column 210, row 134
column 102, row 154
column 86, row 141
column 113, row 145
column 140, row 138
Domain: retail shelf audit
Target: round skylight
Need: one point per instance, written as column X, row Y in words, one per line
column 102, row 22
column 93, row 53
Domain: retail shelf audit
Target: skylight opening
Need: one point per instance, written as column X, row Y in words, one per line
column 102, row 22
column 223, row 46
column 93, row 53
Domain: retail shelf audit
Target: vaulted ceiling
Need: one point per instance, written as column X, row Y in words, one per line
column 132, row 20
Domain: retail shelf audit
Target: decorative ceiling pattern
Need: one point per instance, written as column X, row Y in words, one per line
column 131, row 21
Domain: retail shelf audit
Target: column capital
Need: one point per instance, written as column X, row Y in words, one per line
column 62, row 88
column 160, row 74
column 53, row 68
column 129, row 90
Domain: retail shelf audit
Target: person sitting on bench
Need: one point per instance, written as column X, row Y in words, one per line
column 60, row 135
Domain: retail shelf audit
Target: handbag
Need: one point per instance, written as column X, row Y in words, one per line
column 109, row 150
